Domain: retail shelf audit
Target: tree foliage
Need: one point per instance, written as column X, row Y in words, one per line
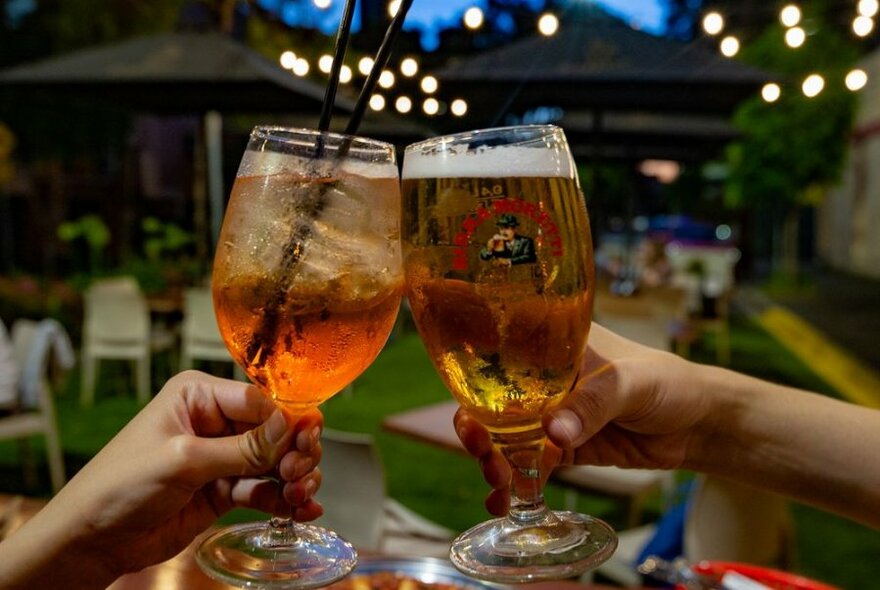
column 791, row 146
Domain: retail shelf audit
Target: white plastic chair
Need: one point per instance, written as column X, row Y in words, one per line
column 116, row 326
column 357, row 507
column 200, row 339
column 33, row 346
column 634, row 486
column 724, row 521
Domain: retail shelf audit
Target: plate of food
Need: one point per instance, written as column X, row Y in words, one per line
column 409, row 573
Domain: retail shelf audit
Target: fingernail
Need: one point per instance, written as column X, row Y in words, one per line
column 564, row 426
column 306, row 440
column 276, row 427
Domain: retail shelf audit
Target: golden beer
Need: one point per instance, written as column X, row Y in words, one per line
column 505, row 328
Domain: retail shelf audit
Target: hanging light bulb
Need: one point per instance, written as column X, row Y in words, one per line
column 458, row 107
column 790, row 15
column 431, row 106
column 301, row 67
column 771, row 92
column 729, row 46
column 403, row 104
column 287, row 59
column 713, row 23
column 813, row 85
column 473, row 18
column 386, row 79
column 856, row 79
column 868, row 8
column 365, row 65
column 325, row 63
column 862, row 25
column 548, row 24
column 429, row 84
column 377, row 102
column 795, row 37
column 409, row 67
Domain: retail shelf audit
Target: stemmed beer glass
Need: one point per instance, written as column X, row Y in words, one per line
column 499, row 273
column 307, row 284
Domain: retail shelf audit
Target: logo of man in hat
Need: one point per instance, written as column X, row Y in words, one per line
column 508, row 247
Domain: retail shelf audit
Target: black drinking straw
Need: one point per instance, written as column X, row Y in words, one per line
column 378, row 64
column 342, row 36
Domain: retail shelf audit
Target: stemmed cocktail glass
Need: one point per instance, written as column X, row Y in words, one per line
column 307, row 284
column 499, row 272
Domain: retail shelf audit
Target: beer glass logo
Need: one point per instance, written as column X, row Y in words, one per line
column 508, row 247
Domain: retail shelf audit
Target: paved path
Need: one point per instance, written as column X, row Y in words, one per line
column 831, row 327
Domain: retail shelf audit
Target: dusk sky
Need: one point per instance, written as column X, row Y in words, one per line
column 432, row 15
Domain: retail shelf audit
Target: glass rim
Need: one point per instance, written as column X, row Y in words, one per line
column 541, row 131
column 357, row 142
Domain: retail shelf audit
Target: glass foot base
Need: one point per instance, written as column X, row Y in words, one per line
column 246, row 556
column 560, row 545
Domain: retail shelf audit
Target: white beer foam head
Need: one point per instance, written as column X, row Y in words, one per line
column 489, row 162
column 266, row 163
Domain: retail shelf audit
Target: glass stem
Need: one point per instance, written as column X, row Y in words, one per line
column 281, row 531
column 524, row 451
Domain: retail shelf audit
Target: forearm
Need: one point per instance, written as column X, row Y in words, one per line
column 807, row 446
column 46, row 553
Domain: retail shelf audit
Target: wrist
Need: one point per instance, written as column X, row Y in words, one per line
column 715, row 444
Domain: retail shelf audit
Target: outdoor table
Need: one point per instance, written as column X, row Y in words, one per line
column 433, row 425
column 182, row 573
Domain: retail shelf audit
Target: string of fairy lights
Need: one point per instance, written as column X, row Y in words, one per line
column 427, row 97
column 791, row 17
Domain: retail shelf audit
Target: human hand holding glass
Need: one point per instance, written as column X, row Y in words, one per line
column 307, row 285
column 506, row 328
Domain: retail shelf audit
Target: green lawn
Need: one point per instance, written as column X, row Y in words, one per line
column 446, row 486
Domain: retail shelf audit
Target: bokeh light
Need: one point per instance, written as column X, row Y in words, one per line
column 548, row 24
column 771, row 92
column 409, row 67
column 301, row 67
column 868, row 8
column 813, row 85
column 365, row 65
column 713, row 23
column 795, row 37
column 325, row 63
column 856, row 79
column 473, row 17
column 458, row 107
column 729, row 46
column 429, row 84
column 287, row 59
column 386, row 79
column 790, row 15
column 403, row 104
column 863, row 25
column 377, row 102
column 431, row 106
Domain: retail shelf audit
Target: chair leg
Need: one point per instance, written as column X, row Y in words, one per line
column 87, row 385
column 56, row 459
column 28, row 465
column 143, row 379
